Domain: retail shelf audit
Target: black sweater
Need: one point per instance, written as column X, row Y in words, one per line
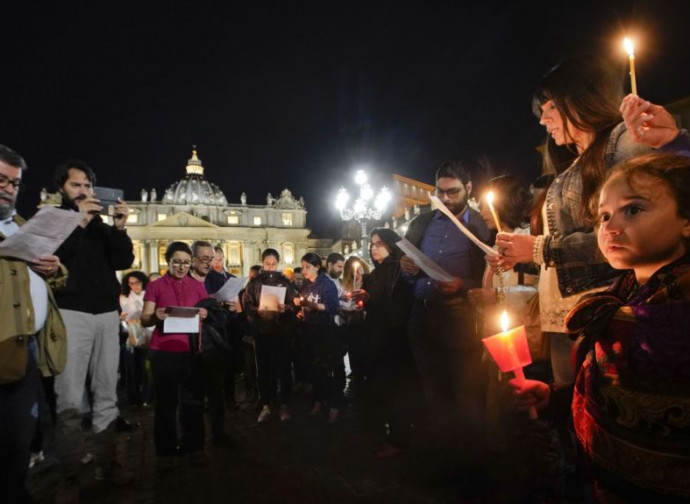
column 93, row 255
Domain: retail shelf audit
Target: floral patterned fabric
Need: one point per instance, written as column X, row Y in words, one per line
column 631, row 405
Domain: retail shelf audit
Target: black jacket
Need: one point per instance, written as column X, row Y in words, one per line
column 269, row 322
column 388, row 307
column 92, row 255
column 214, row 334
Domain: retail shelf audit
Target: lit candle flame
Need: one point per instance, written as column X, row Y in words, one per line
column 629, row 47
column 490, row 202
column 504, row 321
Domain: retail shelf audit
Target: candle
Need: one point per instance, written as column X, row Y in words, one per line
column 355, row 265
column 490, row 202
column 629, row 47
column 510, row 351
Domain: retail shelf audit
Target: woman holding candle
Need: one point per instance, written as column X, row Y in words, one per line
column 631, row 400
column 319, row 302
column 578, row 102
column 391, row 387
column 351, row 315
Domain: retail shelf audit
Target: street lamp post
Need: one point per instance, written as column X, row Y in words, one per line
column 366, row 207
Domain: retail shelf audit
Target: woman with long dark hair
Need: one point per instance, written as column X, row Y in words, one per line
column 391, row 389
column 578, row 103
column 136, row 346
column 324, row 352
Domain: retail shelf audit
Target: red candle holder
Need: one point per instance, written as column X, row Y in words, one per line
column 510, row 351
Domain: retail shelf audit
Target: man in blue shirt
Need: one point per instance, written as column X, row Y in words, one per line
column 442, row 330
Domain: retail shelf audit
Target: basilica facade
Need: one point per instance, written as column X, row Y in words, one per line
column 195, row 209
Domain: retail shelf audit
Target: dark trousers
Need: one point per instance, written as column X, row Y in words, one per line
column 177, row 380
column 216, row 363
column 448, row 352
column 391, row 392
column 325, row 351
column 18, row 414
column 136, row 378
column 273, row 353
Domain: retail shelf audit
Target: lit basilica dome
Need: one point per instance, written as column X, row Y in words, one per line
column 194, row 189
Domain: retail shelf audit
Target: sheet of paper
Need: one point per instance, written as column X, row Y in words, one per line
column 181, row 324
column 271, row 297
column 42, row 234
column 440, row 206
column 230, row 290
column 181, row 311
column 427, row 265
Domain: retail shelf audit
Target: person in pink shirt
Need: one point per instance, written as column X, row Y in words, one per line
column 176, row 369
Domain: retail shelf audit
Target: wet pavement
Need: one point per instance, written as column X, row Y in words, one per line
column 304, row 461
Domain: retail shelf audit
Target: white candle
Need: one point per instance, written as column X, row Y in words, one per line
column 630, row 48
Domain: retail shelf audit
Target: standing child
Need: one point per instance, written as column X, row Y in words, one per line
column 631, row 400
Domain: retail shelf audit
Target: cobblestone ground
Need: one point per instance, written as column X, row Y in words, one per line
column 302, row 461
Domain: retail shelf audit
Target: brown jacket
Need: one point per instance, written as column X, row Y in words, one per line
column 17, row 312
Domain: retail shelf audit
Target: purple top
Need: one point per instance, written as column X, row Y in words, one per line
column 168, row 291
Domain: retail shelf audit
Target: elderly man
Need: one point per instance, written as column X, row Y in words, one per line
column 28, row 313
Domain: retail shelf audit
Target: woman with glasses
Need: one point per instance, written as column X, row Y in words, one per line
column 177, row 372
column 391, row 386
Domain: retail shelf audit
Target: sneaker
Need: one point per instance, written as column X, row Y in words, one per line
column 87, row 459
column 285, row 415
column 36, row 458
column 265, row 414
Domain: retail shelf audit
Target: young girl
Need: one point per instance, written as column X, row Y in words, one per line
column 631, row 400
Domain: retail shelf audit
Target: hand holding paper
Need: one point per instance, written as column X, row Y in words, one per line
column 441, row 207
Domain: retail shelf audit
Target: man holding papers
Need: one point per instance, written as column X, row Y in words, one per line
column 29, row 314
column 177, row 371
column 269, row 307
column 441, row 327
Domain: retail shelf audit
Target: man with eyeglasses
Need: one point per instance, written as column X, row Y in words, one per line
column 90, row 306
column 28, row 313
column 216, row 356
column 441, row 328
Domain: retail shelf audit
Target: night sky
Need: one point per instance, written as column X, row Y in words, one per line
column 299, row 94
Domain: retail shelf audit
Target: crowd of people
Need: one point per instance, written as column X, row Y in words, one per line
column 593, row 260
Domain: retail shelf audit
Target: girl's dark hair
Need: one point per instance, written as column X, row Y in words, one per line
column 313, row 259
column 587, row 91
column 139, row 275
column 177, row 246
column 514, row 199
column 672, row 170
column 389, row 238
column 270, row 252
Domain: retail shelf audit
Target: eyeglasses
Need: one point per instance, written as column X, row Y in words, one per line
column 16, row 184
column 453, row 191
column 377, row 245
column 206, row 259
column 181, row 264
